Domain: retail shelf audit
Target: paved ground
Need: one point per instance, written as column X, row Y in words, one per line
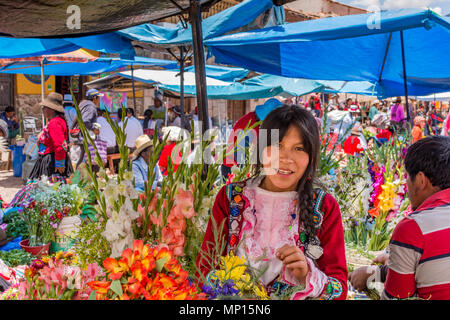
column 9, row 185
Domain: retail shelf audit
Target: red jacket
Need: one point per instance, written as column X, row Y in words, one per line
column 164, row 158
column 331, row 236
column 352, row 145
column 53, row 139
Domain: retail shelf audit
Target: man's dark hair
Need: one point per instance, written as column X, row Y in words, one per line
column 9, row 109
column 431, row 155
column 130, row 110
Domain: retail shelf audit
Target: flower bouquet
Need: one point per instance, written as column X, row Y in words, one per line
column 233, row 280
column 144, row 273
column 57, row 278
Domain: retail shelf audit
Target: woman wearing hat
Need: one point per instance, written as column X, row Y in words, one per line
column 53, row 141
column 141, row 158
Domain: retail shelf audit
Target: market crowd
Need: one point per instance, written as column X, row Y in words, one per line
column 286, row 225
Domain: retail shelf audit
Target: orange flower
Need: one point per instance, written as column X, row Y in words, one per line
column 116, row 269
column 101, row 288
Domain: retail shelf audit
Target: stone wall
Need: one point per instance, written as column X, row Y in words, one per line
column 28, row 105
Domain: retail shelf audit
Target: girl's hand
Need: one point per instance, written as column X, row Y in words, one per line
column 294, row 259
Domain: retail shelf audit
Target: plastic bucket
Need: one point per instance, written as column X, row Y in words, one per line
column 37, row 251
column 17, row 159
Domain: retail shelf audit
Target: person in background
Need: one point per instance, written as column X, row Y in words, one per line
column 417, row 130
column 101, row 146
column 141, row 158
column 107, row 133
column 148, row 125
column 417, row 264
column 69, row 110
column 174, row 115
column 374, row 109
column 9, row 116
column 353, row 145
column 174, row 135
column 195, row 118
column 53, row 141
column 348, row 104
column 397, row 115
column 133, row 128
column 446, row 126
column 88, row 109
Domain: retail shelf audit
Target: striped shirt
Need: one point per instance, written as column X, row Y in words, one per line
column 419, row 258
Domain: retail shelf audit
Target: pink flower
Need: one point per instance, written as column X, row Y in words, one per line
column 185, row 200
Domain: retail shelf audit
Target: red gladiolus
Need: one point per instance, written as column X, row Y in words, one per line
column 44, row 212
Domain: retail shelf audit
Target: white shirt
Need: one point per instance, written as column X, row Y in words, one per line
column 106, row 132
column 133, row 130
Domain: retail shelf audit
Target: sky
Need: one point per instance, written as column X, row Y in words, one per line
column 441, row 7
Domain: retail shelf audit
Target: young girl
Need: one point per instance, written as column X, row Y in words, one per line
column 277, row 220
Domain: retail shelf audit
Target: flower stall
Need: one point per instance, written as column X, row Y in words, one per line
column 95, row 236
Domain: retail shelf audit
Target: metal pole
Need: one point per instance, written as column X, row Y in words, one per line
column 132, row 84
column 408, row 118
column 183, row 118
column 199, row 62
column 42, row 90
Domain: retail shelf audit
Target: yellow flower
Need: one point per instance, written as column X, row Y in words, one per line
column 233, row 267
column 260, row 293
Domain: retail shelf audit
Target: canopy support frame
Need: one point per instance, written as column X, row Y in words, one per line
column 408, row 117
column 199, row 63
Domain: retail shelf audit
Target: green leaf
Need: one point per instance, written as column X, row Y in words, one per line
column 93, row 295
column 160, row 264
column 116, row 287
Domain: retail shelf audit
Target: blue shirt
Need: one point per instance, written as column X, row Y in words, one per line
column 140, row 169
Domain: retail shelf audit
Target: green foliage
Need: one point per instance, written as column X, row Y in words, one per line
column 16, row 225
column 16, row 257
column 91, row 246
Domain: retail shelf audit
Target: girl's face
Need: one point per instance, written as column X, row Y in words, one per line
column 285, row 163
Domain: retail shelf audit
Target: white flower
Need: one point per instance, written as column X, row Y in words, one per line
column 128, row 175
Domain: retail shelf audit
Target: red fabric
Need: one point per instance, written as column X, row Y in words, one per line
column 164, row 158
column 54, row 138
column 331, row 139
column 246, row 121
column 384, row 134
column 352, row 145
column 331, row 235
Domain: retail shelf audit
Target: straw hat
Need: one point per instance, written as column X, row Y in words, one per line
column 142, row 142
column 53, row 101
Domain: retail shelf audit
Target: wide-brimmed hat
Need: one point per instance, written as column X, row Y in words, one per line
column 93, row 93
column 53, row 101
column 142, row 142
column 174, row 133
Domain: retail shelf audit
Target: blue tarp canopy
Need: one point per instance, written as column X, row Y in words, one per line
column 100, row 65
column 168, row 80
column 364, row 47
column 30, row 47
column 235, row 17
column 222, row 73
column 258, row 87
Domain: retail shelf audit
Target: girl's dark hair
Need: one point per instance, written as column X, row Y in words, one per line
column 431, row 155
column 294, row 115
